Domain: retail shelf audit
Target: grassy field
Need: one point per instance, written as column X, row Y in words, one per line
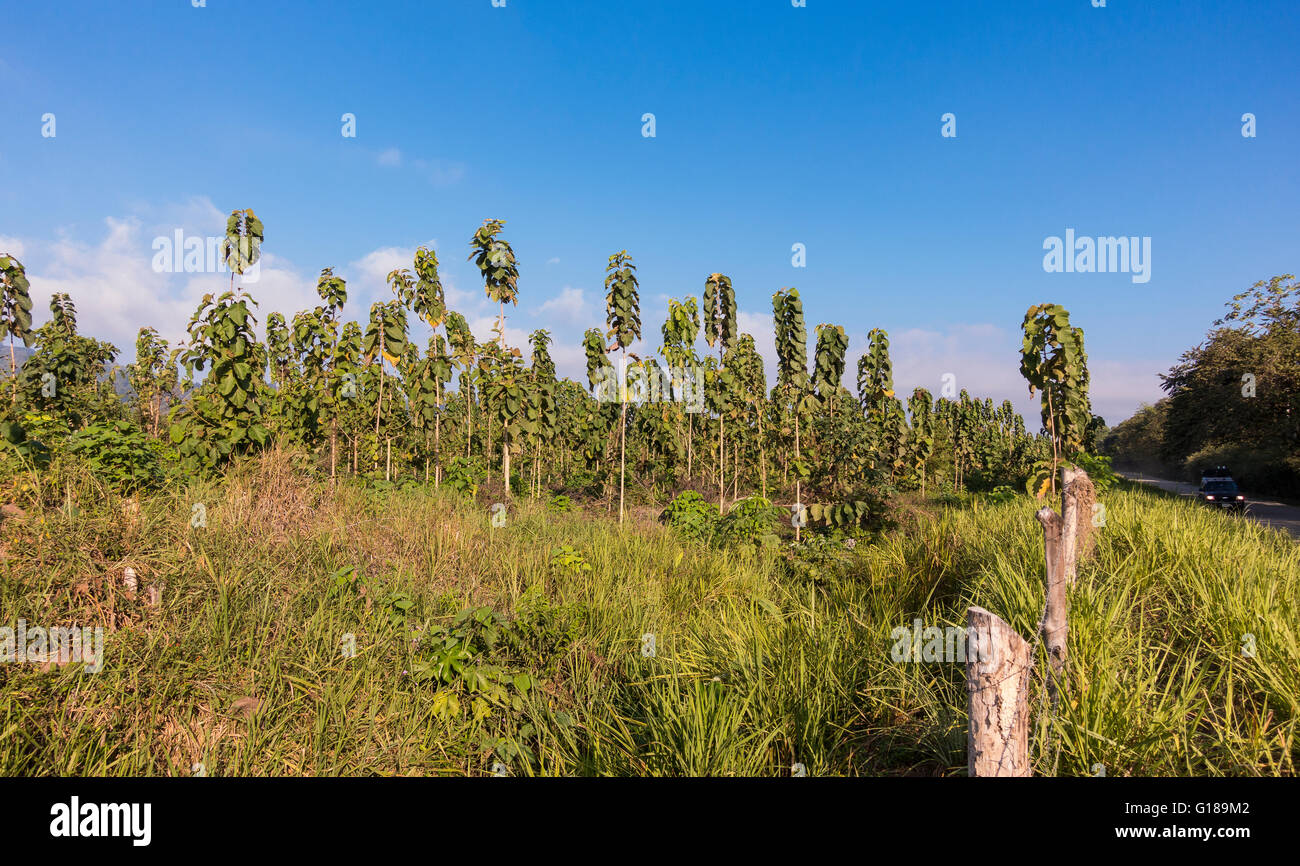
column 521, row 649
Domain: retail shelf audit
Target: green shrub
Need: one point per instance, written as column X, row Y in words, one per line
column 462, row 477
column 565, row 558
column 847, row 515
column 945, row 494
column 691, row 515
column 1098, row 469
column 1001, row 493
column 750, row 521
column 118, row 454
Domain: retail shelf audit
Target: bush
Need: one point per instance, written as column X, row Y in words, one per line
column 947, row 495
column 461, row 477
column 33, row 441
column 750, row 521
column 565, row 558
column 118, row 454
column 1002, row 493
column 1098, row 469
column 690, row 514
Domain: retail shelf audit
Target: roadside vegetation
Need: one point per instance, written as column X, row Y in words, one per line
column 522, row 648
column 314, row 548
column 1233, row 400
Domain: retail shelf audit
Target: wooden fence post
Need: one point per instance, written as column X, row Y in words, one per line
column 997, row 684
column 1077, row 498
column 1056, row 623
column 1065, row 540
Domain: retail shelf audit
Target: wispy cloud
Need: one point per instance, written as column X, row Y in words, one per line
column 441, row 172
column 569, row 303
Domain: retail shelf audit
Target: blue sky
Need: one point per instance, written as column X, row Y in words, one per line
column 775, row 125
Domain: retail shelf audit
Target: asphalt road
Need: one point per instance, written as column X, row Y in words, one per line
column 1267, row 512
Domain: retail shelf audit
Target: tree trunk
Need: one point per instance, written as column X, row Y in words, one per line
column 798, row 493
column 997, row 685
column 722, row 490
column 735, row 471
column 505, row 462
column 1051, row 431
column 379, row 404
column 690, row 441
column 334, row 447
column 622, row 457
column 437, row 441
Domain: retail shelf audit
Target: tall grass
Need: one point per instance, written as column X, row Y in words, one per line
column 762, row 659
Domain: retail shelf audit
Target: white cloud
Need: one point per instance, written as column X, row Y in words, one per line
column 437, row 171
column 12, row 246
column 117, row 291
column 553, row 261
column 569, row 303
column 1119, row 387
column 441, row 172
column 368, row 277
column 759, row 325
column 985, row 359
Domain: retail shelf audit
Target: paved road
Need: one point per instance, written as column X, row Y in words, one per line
column 1267, row 512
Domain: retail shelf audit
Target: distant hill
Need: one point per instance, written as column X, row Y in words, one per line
column 22, row 353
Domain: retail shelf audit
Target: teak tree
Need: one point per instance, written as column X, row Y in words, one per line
column 792, row 374
column 465, row 352
column 152, row 378
column 623, row 318
column 496, row 262
column 680, row 331
column 242, row 247
column 15, row 310
column 720, row 333
column 1053, row 361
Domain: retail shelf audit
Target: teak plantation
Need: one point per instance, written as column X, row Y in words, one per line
column 317, row 547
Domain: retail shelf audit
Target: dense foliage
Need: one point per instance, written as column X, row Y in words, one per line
column 1233, row 400
column 362, row 399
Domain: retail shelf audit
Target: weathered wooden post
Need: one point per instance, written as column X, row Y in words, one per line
column 1083, row 499
column 1056, row 624
column 998, row 663
column 1065, row 539
column 1077, row 498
